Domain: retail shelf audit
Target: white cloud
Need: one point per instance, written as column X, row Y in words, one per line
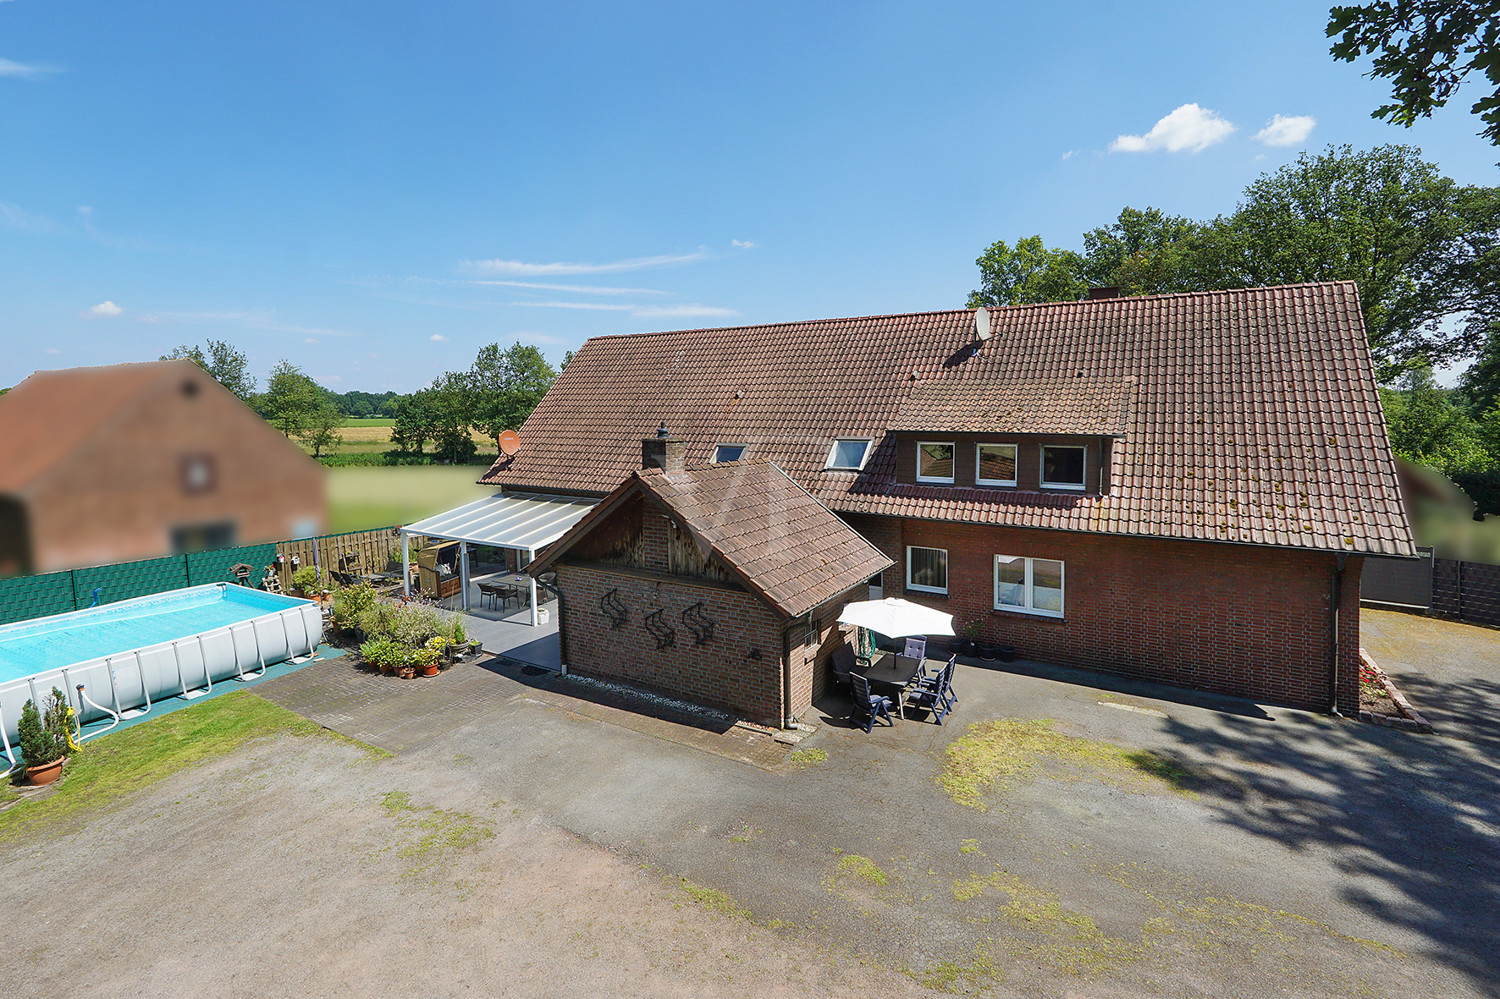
column 16, row 217
column 592, row 306
column 85, row 210
column 520, row 268
column 25, row 70
column 52, row 350
column 581, row 289
column 1189, row 128
column 681, row 311
column 105, row 309
column 743, row 244
column 438, row 338
column 1070, row 154
column 308, row 339
column 1286, row 130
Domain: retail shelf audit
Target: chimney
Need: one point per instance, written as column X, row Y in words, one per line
column 1096, row 293
column 663, row 451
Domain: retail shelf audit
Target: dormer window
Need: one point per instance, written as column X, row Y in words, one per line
column 934, row 462
column 728, row 452
column 995, row 464
column 1062, row 467
column 848, row 454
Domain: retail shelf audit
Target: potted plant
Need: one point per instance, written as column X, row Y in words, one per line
column 989, row 651
column 307, row 582
column 41, row 748
column 964, row 645
column 426, row 658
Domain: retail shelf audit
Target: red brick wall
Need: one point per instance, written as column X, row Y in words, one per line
column 1232, row 619
column 721, row 673
column 809, row 662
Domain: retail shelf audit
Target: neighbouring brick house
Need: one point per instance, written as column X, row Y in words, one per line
column 1175, row 487
column 133, row 461
column 721, row 584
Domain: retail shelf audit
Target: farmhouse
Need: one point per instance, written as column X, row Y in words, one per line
column 132, row 461
column 1177, row 487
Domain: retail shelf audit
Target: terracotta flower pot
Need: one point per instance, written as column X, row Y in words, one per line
column 406, row 672
column 46, row 773
column 429, row 669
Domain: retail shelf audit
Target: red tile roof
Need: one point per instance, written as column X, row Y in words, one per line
column 1253, row 417
column 1093, row 406
column 780, row 541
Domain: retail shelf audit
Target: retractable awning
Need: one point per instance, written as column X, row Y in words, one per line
column 525, row 521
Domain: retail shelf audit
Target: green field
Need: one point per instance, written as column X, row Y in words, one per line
column 361, row 499
column 369, row 421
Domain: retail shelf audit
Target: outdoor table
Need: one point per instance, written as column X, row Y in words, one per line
column 886, row 673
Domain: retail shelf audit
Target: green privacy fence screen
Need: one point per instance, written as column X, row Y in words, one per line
column 24, row 597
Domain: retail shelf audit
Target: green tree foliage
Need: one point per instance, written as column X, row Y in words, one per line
column 1027, row 273
column 227, row 366
column 320, row 432
column 505, row 386
column 1426, row 426
column 366, row 404
column 438, row 414
column 1425, row 48
column 1145, row 253
column 292, row 401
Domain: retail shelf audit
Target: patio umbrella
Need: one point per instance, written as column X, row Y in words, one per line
column 896, row 618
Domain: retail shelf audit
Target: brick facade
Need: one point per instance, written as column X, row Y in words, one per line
column 1232, row 619
column 738, row 669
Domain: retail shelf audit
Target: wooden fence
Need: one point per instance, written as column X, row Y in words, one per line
column 357, row 553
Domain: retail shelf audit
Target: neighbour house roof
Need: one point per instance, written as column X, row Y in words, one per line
column 769, row 531
column 1252, row 417
column 47, row 418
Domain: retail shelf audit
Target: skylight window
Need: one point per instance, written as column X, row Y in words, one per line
column 1062, row 467
column 728, row 452
column 848, row 454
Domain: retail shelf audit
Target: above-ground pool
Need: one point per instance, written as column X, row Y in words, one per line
column 126, row 655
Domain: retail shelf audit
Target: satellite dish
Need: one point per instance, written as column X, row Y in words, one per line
column 982, row 323
column 510, row 442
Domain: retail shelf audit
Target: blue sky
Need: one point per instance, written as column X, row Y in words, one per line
column 375, row 190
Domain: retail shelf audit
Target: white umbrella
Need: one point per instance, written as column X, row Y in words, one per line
column 896, row 618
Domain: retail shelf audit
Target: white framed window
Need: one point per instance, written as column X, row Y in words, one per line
column 927, row 569
column 1029, row 585
column 934, row 461
column 1062, row 467
column 848, row 453
column 995, row 464
column 728, row 452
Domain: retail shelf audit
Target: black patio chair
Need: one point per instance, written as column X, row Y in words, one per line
column 867, row 705
column 844, row 660
column 934, row 694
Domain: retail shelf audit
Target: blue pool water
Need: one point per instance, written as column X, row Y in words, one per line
column 65, row 639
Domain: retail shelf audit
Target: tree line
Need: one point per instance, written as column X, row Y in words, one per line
column 494, row 394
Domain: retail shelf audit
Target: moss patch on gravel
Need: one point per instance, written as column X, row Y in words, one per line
column 803, row 758
column 119, row 763
column 861, row 868
column 993, row 752
column 432, row 835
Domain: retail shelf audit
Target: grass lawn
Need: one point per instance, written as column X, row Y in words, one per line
column 361, row 499
column 116, row 764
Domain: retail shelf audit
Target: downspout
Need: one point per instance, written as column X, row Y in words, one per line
column 1336, row 596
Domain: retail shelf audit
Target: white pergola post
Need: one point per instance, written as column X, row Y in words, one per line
column 463, row 573
column 405, row 565
column 530, row 555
